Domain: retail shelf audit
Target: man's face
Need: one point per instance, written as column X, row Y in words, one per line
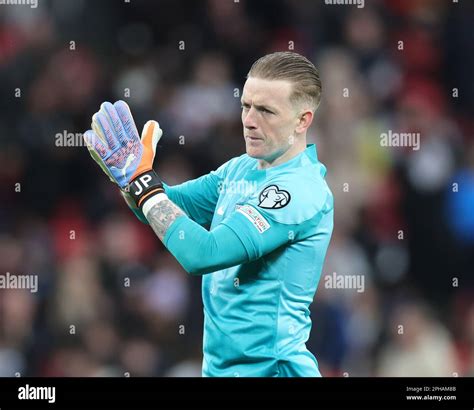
column 269, row 118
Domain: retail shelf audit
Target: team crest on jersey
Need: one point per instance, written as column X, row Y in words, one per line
column 273, row 197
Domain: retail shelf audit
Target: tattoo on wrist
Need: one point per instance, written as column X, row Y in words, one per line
column 162, row 215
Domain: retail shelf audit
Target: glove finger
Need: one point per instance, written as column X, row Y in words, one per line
column 112, row 115
column 128, row 123
column 95, row 156
column 98, row 131
column 95, row 144
column 151, row 134
column 100, row 121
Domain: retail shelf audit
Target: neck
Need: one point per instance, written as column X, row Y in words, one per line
column 297, row 148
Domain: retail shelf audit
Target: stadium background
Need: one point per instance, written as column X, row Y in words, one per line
column 398, row 221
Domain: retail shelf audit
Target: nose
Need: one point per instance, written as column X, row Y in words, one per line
column 248, row 119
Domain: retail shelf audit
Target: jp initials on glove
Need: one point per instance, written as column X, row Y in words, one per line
column 115, row 145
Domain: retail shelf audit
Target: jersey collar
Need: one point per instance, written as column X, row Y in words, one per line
column 307, row 157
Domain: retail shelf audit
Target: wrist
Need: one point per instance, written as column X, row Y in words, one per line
column 145, row 186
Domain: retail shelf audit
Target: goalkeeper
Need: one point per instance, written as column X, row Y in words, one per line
column 262, row 257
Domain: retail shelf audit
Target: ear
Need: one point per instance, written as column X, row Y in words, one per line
column 304, row 121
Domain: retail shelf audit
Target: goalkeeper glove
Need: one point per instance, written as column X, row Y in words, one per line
column 114, row 144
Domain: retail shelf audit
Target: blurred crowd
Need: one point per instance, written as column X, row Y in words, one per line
column 112, row 301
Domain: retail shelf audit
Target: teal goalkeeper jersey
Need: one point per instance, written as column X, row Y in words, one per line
column 256, row 313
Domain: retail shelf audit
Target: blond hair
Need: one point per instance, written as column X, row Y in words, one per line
column 293, row 67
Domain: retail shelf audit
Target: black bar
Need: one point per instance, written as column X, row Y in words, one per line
column 324, row 393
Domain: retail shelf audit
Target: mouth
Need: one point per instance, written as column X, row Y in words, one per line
column 252, row 138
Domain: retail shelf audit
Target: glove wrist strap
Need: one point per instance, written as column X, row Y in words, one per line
column 145, row 186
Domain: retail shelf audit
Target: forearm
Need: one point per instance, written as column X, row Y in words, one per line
column 174, row 194
column 197, row 198
column 199, row 251
column 161, row 215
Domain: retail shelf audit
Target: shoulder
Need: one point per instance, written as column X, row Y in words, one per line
column 241, row 162
column 227, row 169
column 294, row 196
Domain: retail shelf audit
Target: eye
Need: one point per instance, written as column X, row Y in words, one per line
column 244, row 106
column 266, row 111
